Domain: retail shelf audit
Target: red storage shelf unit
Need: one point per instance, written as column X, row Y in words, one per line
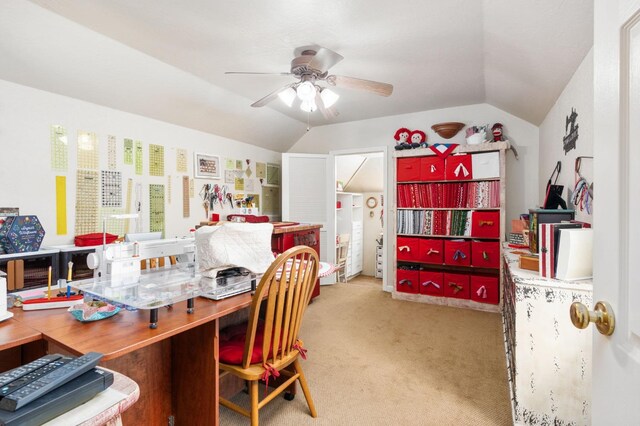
column 284, row 238
column 449, row 224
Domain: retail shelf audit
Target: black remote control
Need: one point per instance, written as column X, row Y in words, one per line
column 50, row 381
column 11, row 375
column 33, row 376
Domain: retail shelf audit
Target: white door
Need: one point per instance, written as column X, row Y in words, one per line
column 305, row 197
column 616, row 359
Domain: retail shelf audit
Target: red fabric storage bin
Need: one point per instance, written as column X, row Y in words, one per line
column 458, row 167
column 408, row 248
column 457, row 252
column 456, row 286
column 94, row 239
column 485, row 224
column 408, row 281
column 431, row 251
column 432, row 168
column 485, row 254
column 408, row 169
column 485, row 289
column 431, row 283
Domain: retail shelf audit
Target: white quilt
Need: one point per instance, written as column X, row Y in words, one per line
column 230, row 244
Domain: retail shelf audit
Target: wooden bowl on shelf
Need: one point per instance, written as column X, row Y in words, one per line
column 447, row 130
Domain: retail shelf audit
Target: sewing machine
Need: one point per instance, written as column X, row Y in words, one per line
column 121, row 263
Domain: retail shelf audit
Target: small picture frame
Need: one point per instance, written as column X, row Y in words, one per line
column 206, row 166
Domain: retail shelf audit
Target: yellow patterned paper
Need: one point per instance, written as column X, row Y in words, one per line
column 61, row 205
column 88, row 152
column 181, row 160
column 128, row 151
column 156, row 160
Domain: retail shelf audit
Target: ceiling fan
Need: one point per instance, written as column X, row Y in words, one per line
column 310, row 68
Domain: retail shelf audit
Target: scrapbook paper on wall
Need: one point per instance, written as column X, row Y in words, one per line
column 230, row 164
column 138, row 157
column 185, row 197
column 88, row 153
column 230, row 176
column 249, row 185
column 61, row 205
column 255, row 200
column 181, row 160
column 156, row 208
column 111, row 189
column 111, row 152
column 156, row 160
column 59, row 148
column 86, row 202
column 261, row 170
column 248, row 171
column 273, row 174
column 271, row 200
column 238, row 164
column 239, row 184
column 128, row 151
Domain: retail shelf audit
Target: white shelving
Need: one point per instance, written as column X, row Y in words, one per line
column 349, row 220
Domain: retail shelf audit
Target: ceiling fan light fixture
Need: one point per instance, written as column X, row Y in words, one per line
column 308, row 106
column 306, row 91
column 288, row 96
column 329, row 97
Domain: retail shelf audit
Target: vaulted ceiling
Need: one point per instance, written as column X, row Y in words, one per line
column 166, row 59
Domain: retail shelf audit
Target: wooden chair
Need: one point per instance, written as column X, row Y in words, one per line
column 341, row 257
column 268, row 346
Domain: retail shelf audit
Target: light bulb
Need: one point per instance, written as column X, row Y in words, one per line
column 306, row 91
column 287, row 96
column 308, row 106
column 328, row 97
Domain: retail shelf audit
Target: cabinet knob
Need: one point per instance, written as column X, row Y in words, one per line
column 602, row 316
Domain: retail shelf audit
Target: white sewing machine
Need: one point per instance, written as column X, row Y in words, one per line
column 121, row 262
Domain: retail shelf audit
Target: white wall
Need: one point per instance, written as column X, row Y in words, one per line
column 372, row 230
column 577, row 94
column 522, row 175
column 28, row 182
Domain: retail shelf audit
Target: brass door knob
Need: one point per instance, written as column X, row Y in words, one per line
column 602, row 316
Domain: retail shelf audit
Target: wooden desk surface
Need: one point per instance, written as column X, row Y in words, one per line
column 14, row 333
column 125, row 332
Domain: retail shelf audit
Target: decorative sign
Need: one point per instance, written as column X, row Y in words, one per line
column 59, row 151
column 571, row 136
column 206, row 166
column 156, row 160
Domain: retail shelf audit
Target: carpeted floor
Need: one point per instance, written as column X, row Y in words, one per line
column 373, row 360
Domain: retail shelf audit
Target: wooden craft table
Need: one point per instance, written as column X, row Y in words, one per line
column 175, row 365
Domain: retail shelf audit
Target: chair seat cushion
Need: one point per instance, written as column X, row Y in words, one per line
column 232, row 340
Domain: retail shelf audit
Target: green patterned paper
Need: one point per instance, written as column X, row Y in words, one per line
column 59, row 148
column 138, row 157
column 128, row 151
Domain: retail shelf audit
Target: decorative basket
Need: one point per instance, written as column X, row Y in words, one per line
column 93, row 311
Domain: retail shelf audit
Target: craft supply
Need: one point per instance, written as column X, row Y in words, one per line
column 138, row 161
column 86, row 202
column 128, row 151
column 111, row 152
column 49, row 284
column 59, row 151
column 185, row 197
column 50, row 303
column 156, row 208
column 61, row 205
column 156, row 160
column 68, row 290
column 127, row 206
column 111, row 189
column 88, row 153
column 69, row 271
column 181, row 160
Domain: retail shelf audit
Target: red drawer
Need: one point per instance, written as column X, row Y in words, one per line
column 408, row 169
column 485, row 224
column 458, row 167
column 456, row 286
column 408, row 248
column 432, row 168
column 431, row 283
column 408, row 281
column 485, row 254
column 431, row 251
column 485, row 289
column 457, row 253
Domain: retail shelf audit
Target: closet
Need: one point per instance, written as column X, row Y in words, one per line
column 349, row 220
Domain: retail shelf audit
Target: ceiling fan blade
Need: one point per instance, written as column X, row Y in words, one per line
column 328, row 113
column 382, row 89
column 324, row 59
column 260, row 73
column 271, row 96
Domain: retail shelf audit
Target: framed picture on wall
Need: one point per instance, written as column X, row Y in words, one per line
column 206, row 166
